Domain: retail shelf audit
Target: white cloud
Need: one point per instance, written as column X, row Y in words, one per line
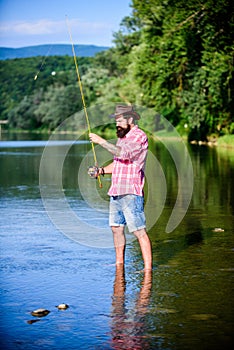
column 46, row 26
column 46, row 31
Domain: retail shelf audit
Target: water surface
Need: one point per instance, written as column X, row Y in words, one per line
column 187, row 301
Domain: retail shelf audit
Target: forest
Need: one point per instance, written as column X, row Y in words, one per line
column 175, row 57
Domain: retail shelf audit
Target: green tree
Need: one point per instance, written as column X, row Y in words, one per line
column 23, row 116
column 59, row 103
column 184, row 61
column 27, row 85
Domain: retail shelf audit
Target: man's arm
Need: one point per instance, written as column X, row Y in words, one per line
column 115, row 150
column 109, row 168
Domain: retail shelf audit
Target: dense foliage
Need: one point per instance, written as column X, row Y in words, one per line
column 39, row 92
column 179, row 56
column 175, row 57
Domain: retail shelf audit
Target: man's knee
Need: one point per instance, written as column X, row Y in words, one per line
column 117, row 230
column 140, row 233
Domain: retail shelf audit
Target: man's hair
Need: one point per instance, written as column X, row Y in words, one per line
column 127, row 116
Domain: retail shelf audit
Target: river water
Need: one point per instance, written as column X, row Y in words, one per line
column 187, row 301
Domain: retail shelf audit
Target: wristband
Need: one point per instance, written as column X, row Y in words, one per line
column 102, row 171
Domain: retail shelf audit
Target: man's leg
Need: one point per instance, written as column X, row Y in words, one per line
column 146, row 249
column 119, row 243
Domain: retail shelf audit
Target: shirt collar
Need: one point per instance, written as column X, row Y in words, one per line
column 132, row 130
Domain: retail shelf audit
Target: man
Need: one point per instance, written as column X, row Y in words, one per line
column 126, row 191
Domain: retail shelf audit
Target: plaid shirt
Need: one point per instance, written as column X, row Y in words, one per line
column 128, row 170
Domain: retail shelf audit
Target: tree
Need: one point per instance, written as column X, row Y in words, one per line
column 30, row 87
column 183, row 63
column 59, row 103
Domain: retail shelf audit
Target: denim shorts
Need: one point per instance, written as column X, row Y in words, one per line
column 127, row 210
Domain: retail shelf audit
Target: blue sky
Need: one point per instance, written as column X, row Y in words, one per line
column 35, row 22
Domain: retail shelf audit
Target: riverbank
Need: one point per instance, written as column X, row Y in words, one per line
column 226, row 141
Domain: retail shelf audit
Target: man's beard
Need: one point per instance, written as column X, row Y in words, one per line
column 121, row 132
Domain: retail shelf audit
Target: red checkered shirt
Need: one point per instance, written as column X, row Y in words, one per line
column 128, row 170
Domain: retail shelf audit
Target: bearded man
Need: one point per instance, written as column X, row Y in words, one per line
column 128, row 174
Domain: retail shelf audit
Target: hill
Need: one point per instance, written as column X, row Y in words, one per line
column 50, row 50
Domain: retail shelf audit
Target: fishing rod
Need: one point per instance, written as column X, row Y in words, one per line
column 83, row 99
column 43, row 62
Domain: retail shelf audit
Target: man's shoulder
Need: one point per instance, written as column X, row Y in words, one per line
column 137, row 131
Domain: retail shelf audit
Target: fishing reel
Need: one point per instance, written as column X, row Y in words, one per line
column 94, row 172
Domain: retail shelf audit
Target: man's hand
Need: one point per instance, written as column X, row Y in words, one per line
column 96, row 139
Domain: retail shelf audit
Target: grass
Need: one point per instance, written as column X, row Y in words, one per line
column 226, row 141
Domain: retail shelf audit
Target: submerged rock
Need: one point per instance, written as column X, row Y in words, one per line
column 203, row 317
column 32, row 321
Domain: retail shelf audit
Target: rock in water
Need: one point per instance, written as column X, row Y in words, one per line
column 40, row 312
column 62, row 306
column 218, row 229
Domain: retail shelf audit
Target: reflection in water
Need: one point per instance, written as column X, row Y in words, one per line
column 128, row 326
column 193, row 238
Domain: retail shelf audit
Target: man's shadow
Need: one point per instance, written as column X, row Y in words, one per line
column 128, row 325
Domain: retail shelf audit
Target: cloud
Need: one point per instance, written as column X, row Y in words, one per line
column 42, row 31
column 46, row 26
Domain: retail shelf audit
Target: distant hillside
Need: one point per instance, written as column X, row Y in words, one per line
column 50, row 50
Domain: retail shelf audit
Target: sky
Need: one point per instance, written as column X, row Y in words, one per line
column 36, row 22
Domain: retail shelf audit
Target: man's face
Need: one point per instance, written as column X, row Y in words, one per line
column 122, row 126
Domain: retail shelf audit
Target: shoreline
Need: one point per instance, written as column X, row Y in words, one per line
column 225, row 141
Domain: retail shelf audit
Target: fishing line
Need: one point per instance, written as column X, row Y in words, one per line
column 83, row 99
column 43, row 62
